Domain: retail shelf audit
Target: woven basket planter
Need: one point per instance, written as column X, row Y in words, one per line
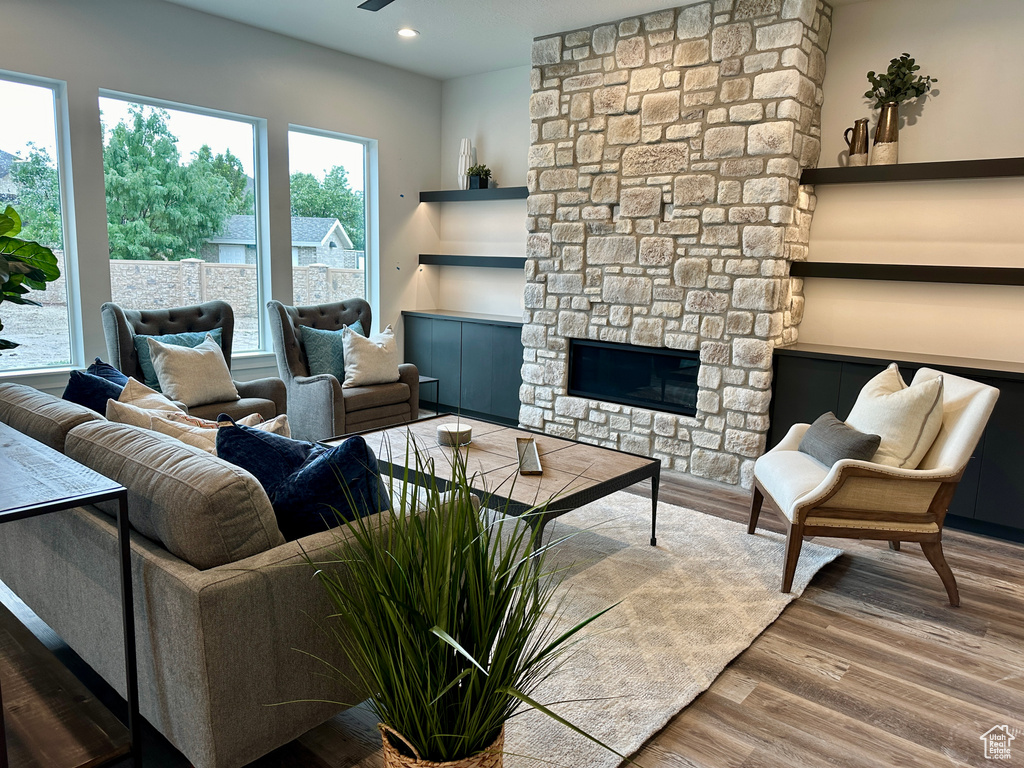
column 489, row 758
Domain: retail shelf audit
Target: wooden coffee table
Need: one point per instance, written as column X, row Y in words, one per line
column 574, row 473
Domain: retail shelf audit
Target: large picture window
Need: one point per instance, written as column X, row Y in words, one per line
column 181, row 210
column 328, row 193
column 30, row 182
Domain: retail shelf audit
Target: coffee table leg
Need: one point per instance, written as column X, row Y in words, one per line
column 655, row 483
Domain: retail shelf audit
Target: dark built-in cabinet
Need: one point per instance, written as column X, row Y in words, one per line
column 476, row 358
column 812, row 379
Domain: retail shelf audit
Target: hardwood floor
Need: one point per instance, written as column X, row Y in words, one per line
column 870, row 667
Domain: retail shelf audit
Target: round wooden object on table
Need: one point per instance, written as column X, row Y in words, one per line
column 454, row 434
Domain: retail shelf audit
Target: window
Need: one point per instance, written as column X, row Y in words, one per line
column 328, row 183
column 181, row 210
column 30, row 182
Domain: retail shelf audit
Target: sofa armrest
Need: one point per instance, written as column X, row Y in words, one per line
column 269, row 388
column 316, row 407
column 409, row 375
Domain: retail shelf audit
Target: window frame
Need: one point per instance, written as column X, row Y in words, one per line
column 62, row 149
column 260, row 192
column 371, row 281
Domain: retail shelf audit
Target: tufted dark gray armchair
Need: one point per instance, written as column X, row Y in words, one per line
column 319, row 407
column 268, row 396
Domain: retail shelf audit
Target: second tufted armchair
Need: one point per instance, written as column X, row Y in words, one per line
column 266, row 397
column 319, row 407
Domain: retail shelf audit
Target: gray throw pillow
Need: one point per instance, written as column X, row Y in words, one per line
column 829, row 440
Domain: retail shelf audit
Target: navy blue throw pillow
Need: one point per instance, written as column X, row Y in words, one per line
column 107, row 371
column 91, row 391
column 339, row 483
column 306, row 483
column 270, row 458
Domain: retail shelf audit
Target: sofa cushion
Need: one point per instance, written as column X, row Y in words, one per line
column 184, row 339
column 325, row 349
column 138, row 394
column 107, row 371
column 305, row 482
column 906, row 418
column 203, row 510
column 372, row 360
column 340, row 482
column 41, row 416
column 91, row 391
column 194, row 375
column 361, row 398
column 829, row 440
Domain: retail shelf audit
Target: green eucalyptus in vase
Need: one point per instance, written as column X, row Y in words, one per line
column 899, row 83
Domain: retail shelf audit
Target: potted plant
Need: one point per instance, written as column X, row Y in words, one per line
column 478, row 176
column 447, row 612
column 899, row 83
column 24, row 265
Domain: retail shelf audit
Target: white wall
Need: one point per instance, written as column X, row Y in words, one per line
column 493, row 111
column 974, row 111
column 163, row 51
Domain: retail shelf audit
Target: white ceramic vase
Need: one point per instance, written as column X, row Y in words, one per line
column 465, row 163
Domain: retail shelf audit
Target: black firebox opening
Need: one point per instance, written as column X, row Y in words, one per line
column 649, row 377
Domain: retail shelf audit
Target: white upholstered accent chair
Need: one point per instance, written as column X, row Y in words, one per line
column 863, row 500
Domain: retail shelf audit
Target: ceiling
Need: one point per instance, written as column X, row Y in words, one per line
column 457, row 37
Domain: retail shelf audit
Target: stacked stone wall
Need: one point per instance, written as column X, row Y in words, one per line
column 664, row 211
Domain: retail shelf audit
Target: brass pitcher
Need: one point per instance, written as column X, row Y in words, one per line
column 858, row 143
column 887, row 135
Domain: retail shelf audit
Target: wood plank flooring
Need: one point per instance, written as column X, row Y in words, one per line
column 870, row 667
column 51, row 720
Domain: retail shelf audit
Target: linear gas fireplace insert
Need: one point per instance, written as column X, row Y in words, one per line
column 648, row 377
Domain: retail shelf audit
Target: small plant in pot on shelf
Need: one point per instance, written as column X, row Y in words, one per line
column 899, row 83
column 478, row 176
column 24, row 265
column 447, row 612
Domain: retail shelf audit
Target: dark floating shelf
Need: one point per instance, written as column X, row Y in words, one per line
column 954, row 169
column 459, row 195
column 501, row 262
column 910, row 272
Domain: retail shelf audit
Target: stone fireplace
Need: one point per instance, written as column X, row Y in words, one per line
column 664, row 212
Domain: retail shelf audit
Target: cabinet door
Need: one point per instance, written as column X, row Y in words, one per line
column 446, row 360
column 1001, row 486
column 507, row 371
column 418, row 344
column 477, row 363
column 804, row 388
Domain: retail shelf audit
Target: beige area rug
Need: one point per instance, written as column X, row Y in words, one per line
column 688, row 607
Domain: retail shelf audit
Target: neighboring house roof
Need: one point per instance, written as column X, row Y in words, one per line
column 306, row 231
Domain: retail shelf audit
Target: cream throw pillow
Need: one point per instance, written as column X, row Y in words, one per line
column 372, row 360
column 138, row 394
column 194, row 375
column 188, row 429
column 907, row 418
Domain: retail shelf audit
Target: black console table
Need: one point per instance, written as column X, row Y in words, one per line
column 38, row 480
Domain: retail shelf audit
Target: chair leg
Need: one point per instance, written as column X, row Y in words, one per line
column 894, row 546
column 794, row 540
column 933, row 551
column 756, row 499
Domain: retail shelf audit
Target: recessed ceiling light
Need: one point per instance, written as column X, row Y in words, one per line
column 407, row 32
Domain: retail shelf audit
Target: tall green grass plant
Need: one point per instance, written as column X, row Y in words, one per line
column 447, row 612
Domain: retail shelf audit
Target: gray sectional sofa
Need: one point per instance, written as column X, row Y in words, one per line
column 223, row 604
